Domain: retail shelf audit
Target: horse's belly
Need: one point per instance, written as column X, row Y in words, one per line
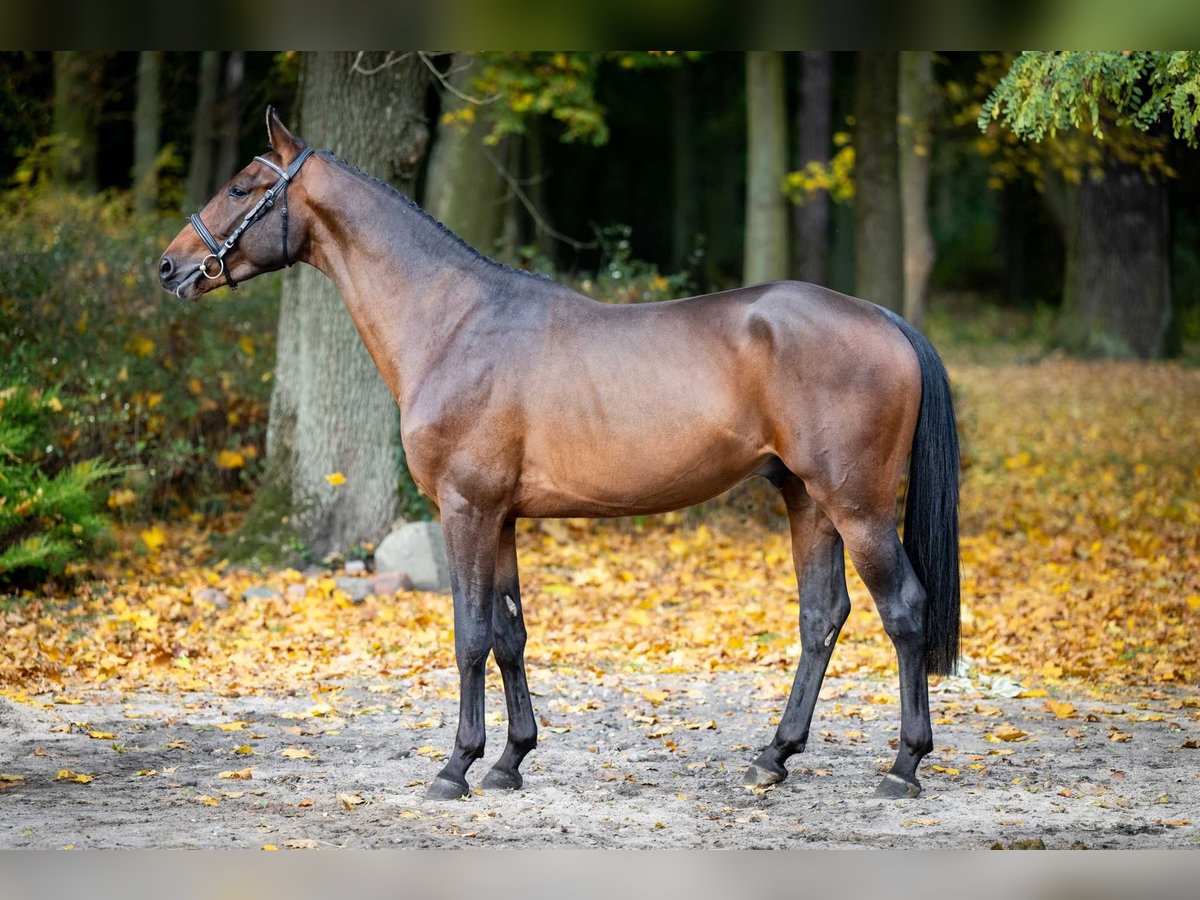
column 622, row 478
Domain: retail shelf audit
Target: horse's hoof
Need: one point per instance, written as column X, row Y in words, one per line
column 445, row 789
column 759, row 776
column 501, row 780
column 893, row 787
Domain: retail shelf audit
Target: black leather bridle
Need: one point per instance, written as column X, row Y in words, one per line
column 218, row 251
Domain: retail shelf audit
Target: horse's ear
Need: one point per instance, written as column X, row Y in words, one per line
column 282, row 141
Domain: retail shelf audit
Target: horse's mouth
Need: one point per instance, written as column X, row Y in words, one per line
column 188, row 288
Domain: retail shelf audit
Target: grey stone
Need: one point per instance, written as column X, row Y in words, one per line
column 217, row 598
column 357, row 588
column 260, row 592
column 387, row 583
column 355, row 567
column 418, row 549
column 296, row 591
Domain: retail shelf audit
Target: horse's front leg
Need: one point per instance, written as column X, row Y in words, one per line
column 508, row 637
column 472, row 542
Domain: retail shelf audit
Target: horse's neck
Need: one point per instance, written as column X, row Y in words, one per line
column 405, row 287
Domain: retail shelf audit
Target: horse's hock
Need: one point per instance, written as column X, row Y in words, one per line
column 418, row 549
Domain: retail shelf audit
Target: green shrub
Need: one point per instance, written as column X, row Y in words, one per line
column 48, row 518
column 173, row 393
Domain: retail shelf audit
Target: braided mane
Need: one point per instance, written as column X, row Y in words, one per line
column 442, row 229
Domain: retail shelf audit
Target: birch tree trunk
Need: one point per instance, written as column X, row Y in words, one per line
column 228, row 160
column 76, row 115
column 765, row 254
column 464, row 188
column 810, row 219
column 916, row 96
column 198, row 188
column 147, row 130
column 878, row 222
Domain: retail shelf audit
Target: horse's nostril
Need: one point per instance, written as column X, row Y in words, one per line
column 165, row 267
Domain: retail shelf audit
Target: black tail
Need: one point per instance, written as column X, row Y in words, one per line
column 931, row 505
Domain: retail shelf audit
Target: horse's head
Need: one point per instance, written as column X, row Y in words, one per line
column 246, row 229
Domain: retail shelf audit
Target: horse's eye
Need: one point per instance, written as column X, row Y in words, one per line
column 237, row 193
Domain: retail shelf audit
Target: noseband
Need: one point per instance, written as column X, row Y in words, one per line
column 218, row 252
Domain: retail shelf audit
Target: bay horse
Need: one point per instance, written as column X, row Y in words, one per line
column 522, row 398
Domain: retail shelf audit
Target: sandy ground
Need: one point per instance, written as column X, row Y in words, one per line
column 624, row 761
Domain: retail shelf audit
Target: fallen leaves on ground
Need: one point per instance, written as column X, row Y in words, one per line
column 1081, row 524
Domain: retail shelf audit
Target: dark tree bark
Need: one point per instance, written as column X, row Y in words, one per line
column 228, row 159
column 147, row 130
column 464, row 187
column 878, row 222
column 330, row 409
column 813, row 128
column 77, row 100
column 1117, row 287
column 765, row 256
column 685, row 209
column 915, row 101
column 199, row 186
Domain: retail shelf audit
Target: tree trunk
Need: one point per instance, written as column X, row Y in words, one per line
column 330, row 410
column 228, row 156
column 685, row 209
column 147, row 130
column 878, row 222
column 1117, row 287
column 810, row 219
column 77, row 100
column 915, row 100
column 765, row 253
column 198, row 189
column 464, row 188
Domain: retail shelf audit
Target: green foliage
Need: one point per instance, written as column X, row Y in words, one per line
column 516, row 86
column 49, row 516
column 174, row 394
column 623, row 279
column 1070, row 155
column 1045, row 92
column 835, row 177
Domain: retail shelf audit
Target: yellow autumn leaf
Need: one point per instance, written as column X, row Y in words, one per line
column 206, row 800
column 102, row 735
column 153, row 537
column 120, row 497
column 336, row 478
column 296, row 753
column 139, row 345
column 1007, row 733
column 238, row 774
column 245, row 750
column 77, row 777
column 54, row 404
column 246, row 343
column 945, row 770
column 236, row 725
column 1061, row 709
column 230, row 459
column 350, row 801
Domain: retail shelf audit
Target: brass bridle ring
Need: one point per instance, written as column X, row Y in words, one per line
column 204, row 267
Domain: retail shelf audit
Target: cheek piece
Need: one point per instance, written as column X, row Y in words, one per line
column 213, row 266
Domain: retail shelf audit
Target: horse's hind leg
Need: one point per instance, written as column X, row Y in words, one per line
column 880, row 559
column 508, row 644
column 824, row 606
